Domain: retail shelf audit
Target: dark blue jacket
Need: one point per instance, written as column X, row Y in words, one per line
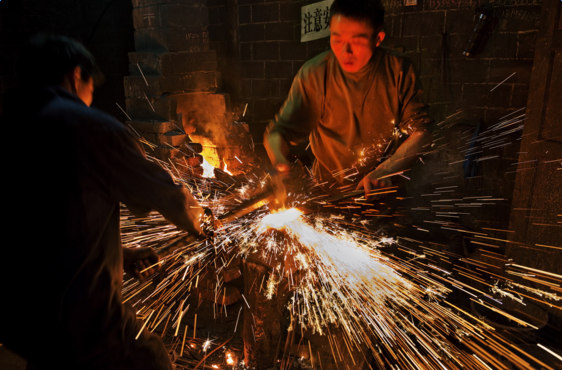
column 66, row 169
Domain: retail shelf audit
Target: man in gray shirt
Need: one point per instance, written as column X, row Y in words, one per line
column 352, row 102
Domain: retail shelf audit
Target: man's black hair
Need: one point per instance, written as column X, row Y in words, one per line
column 45, row 59
column 369, row 11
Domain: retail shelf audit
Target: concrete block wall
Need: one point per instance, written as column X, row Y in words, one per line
column 419, row 31
column 171, row 25
column 172, row 62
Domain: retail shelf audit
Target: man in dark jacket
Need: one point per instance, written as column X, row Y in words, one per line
column 67, row 167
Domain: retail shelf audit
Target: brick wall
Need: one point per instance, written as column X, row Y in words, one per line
column 452, row 82
column 271, row 54
column 419, row 30
column 110, row 42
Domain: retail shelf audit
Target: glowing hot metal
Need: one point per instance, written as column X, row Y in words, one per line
column 281, row 219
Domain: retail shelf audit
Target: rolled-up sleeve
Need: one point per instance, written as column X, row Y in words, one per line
column 414, row 112
column 301, row 111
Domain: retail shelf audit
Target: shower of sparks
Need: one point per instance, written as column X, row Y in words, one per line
column 396, row 308
column 346, row 282
column 342, row 279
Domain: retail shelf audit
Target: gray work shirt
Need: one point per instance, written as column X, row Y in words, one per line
column 350, row 117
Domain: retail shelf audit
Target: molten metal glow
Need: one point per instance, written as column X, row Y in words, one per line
column 225, row 170
column 281, row 219
column 208, row 169
column 211, row 158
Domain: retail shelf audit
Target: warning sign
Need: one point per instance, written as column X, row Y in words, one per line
column 314, row 21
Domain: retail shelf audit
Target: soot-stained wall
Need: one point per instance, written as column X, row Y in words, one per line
column 104, row 26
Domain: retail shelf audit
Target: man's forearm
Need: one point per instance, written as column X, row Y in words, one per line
column 407, row 154
column 277, row 148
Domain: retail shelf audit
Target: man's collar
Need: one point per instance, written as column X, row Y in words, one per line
column 64, row 93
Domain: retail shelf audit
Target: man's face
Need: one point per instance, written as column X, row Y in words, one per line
column 352, row 42
column 85, row 90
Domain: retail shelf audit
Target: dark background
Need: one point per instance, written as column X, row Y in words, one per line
column 104, row 26
column 259, row 52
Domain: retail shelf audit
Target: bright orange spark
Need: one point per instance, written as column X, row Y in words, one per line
column 229, row 359
column 225, row 170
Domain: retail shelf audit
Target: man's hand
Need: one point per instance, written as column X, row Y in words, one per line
column 277, row 201
column 135, row 260
column 406, row 155
column 277, row 150
column 373, row 181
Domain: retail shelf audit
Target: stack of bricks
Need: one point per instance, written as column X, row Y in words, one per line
column 174, row 75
